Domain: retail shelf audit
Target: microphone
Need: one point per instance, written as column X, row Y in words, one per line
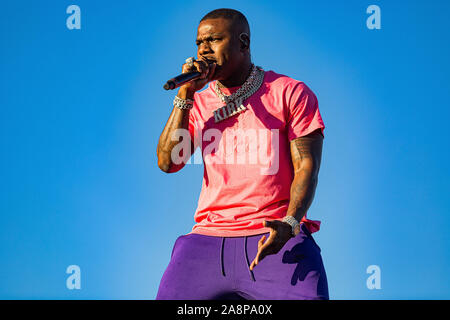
column 181, row 79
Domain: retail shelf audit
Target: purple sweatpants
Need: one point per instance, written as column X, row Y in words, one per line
column 213, row 268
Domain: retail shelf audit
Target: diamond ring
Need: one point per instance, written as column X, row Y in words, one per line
column 190, row 61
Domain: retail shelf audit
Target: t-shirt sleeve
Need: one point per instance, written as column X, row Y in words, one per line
column 303, row 112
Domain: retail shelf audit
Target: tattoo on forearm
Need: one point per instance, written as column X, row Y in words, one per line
column 299, row 187
column 302, row 193
column 306, row 155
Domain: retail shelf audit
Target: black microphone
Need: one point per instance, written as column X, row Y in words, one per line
column 181, row 79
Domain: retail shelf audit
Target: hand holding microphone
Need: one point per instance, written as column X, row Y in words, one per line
column 195, row 75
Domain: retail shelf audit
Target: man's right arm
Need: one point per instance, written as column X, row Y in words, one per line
column 179, row 118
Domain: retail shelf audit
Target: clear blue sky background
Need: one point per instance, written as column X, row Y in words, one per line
column 82, row 110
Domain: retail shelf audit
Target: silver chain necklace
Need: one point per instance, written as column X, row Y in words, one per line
column 234, row 102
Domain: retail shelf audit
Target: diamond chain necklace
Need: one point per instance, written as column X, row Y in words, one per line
column 234, row 102
column 250, row 86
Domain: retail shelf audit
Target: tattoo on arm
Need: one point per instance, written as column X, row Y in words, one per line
column 302, row 146
column 307, row 147
column 306, row 155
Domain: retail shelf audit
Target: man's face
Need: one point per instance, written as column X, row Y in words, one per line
column 216, row 42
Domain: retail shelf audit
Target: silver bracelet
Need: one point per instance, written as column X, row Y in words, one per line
column 182, row 103
column 292, row 222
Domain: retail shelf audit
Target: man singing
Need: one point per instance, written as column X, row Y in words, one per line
column 261, row 136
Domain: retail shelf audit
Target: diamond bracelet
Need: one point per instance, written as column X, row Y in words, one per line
column 183, row 103
column 292, row 222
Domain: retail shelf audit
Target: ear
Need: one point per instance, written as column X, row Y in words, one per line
column 245, row 40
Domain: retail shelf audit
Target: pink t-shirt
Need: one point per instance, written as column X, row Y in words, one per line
column 248, row 169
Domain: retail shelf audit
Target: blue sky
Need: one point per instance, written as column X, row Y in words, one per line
column 82, row 110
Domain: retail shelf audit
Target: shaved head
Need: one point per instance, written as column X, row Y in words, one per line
column 238, row 20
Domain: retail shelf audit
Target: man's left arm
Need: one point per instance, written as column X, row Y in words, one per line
column 306, row 154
